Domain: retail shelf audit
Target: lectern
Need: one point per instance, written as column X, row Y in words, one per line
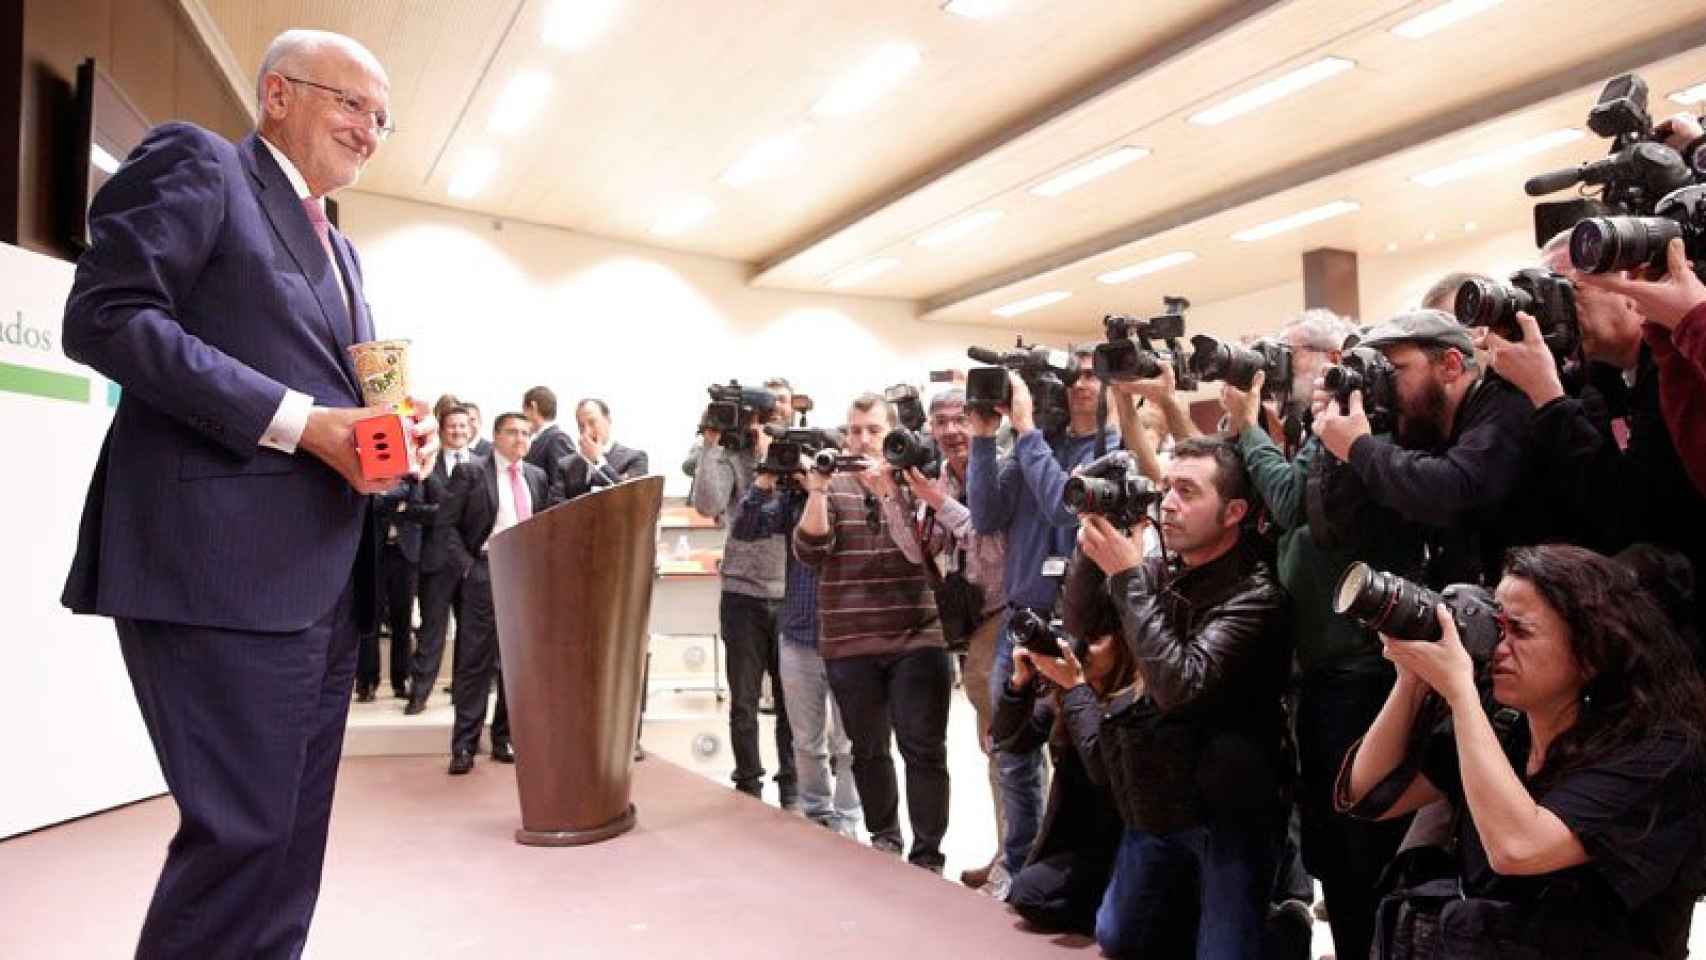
column 573, row 588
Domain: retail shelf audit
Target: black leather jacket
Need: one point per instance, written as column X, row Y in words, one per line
column 1205, row 740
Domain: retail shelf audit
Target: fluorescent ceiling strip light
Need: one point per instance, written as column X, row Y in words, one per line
column 576, row 24
column 959, row 229
column 1504, row 156
column 520, row 101
column 102, row 160
column 1441, row 17
column 1276, row 89
column 860, row 272
column 976, row 9
column 865, row 84
column 478, row 166
column 1028, row 304
column 1147, row 267
column 1085, row 172
column 1690, row 96
column 1326, row 211
column 766, row 158
column 688, row 214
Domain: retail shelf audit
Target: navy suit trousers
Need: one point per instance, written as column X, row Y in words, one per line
column 249, row 728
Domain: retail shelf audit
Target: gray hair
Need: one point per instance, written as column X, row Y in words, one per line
column 292, row 47
column 949, row 397
column 1320, row 329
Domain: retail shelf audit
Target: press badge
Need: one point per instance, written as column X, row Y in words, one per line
column 1054, row 567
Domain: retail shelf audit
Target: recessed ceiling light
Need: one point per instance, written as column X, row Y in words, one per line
column 866, row 83
column 1147, row 267
column 1442, row 16
column 1089, row 170
column 686, row 214
column 474, row 173
column 1392, row 248
column 1031, row 303
column 1471, row 226
column 976, row 9
column 1326, row 211
column 860, row 272
column 102, row 160
column 575, row 24
column 766, row 158
column 1690, row 96
column 1276, row 89
column 958, row 229
column 1511, row 153
column 520, row 101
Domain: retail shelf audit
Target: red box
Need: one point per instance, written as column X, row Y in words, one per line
column 386, row 446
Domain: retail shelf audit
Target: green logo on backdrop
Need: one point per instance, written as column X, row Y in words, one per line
column 31, row 380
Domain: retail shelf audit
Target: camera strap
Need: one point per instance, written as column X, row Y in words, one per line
column 1102, row 421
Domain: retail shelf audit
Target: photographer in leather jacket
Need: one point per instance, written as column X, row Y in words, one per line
column 1193, row 754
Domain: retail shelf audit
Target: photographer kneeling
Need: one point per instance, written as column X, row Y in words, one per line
column 1194, row 760
column 1578, row 831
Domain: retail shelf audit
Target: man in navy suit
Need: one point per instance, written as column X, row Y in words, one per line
column 486, row 498
column 227, row 528
column 401, row 513
column 440, row 582
column 598, row 460
column 550, row 443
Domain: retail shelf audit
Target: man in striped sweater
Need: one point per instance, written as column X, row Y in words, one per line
column 881, row 644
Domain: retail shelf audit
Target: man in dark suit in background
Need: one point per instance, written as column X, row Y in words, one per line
column 487, row 497
column 478, row 444
column 550, row 443
column 598, row 461
column 401, row 514
column 232, row 545
column 440, row 581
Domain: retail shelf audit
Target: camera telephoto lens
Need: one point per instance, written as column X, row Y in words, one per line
column 1605, row 244
column 1387, row 603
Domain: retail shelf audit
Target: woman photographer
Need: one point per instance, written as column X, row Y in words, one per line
column 1578, row 828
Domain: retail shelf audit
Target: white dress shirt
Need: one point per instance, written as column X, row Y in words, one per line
column 291, row 418
column 454, row 459
column 506, row 517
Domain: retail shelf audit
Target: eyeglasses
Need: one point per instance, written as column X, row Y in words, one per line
column 378, row 120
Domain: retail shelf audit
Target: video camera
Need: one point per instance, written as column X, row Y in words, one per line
column 1045, row 637
column 1403, row 610
column 793, row 449
column 729, row 410
column 1365, row 369
column 1129, row 352
column 1046, row 372
column 1546, row 296
column 1237, row 365
column 1639, row 171
column 1112, row 487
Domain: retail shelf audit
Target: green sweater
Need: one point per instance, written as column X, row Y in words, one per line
column 1307, row 570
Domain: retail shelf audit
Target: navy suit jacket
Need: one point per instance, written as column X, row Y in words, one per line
column 551, row 445
column 572, row 477
column 204, row 294
column 406, row 509
column 471, row 508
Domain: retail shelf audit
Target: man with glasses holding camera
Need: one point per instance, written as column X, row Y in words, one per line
column 882, row 647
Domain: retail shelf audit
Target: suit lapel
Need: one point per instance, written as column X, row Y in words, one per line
column 363, row 321
column 284, row 210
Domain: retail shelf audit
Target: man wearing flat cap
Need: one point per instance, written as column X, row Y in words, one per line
column 1456, row 458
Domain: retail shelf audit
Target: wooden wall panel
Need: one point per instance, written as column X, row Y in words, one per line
column 144, row 51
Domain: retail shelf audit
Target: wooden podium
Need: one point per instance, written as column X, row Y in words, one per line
column 572, row 588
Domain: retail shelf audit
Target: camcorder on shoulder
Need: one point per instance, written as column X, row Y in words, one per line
column 1633, row 178
column 1237, row 365
column 1129, row 351
column 1389, row 604
column 1046, row 372
column 1546, row 296
column 734, row 412
column 1365, row 369
column 1112, row 487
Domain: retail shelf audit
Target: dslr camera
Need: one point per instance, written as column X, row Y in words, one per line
column 1638, row 172
column 1129, row 351
column 1542, row 294
column 734, row 411
column 906, row 446
column 1213, row 359
column 1403, row 610
column 1112, row 487
column 1045, row 637
column 1604, row 244
column 1045, row 371
column 1368, row 370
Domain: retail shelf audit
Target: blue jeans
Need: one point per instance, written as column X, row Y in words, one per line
column 1228, row 867
column 820, row 740
column 1022, row 774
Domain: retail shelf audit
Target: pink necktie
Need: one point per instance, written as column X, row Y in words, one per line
column 322, row 226
column 523, row 509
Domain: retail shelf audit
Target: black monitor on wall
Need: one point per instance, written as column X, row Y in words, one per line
column 108, row 128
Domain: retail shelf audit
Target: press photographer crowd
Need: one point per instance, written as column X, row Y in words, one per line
column 1418, row 621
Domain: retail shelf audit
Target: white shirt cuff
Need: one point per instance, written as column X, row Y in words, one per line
column 285, row 431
